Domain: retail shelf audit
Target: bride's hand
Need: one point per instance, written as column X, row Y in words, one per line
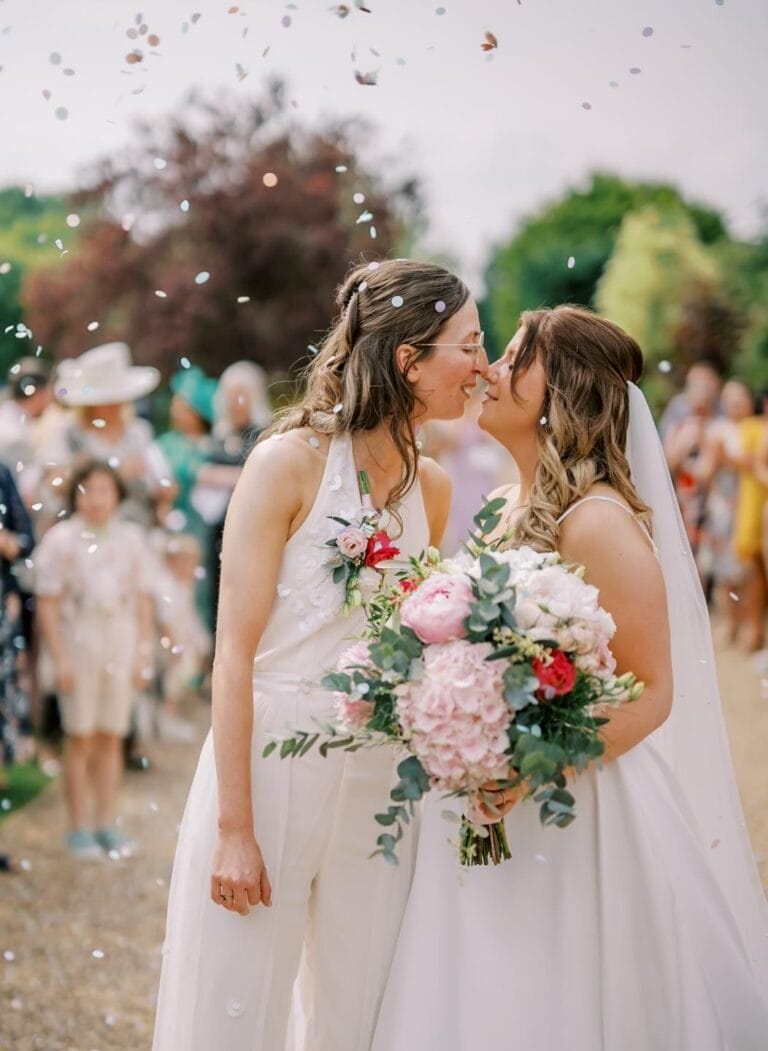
column 493, row 802
column 239, row 877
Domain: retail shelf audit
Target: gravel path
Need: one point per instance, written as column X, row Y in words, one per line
column 82, row 941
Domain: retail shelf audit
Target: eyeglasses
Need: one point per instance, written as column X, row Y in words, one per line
column 475, row 347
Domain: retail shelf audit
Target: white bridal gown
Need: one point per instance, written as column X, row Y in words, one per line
column 610, row 935
column 227, row 980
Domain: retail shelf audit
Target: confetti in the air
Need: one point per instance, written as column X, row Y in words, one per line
column 358, row 198
column 160, row 294
column 586, row 105
column 61, row 113
column 634, row 70
column 160, row 164
column 648, row 31
column 202, row 277
column 490, row 43
column 397, row 301
column 440, row 307
column 54, row 58
column 92, row 326
column 341, row 168
column 243, row 299
column 665, row 366
column 365, row 217
column 184, row 205
column 571, row 262
column 368, row 79
column 269, row 179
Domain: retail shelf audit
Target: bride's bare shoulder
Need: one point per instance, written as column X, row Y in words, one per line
column 504, row 492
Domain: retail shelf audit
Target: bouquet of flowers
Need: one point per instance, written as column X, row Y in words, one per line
column 494, row 669
column 359, row 545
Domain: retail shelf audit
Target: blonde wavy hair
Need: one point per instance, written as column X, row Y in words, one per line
column 588, row 362
column 354, row 383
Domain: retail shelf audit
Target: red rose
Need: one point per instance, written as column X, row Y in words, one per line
column 380, row 549
column 408, row 585
column 556, row 678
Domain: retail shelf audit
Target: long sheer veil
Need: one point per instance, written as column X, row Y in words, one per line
column 693, row 740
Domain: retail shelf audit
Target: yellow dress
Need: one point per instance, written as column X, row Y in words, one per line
column 753, row 494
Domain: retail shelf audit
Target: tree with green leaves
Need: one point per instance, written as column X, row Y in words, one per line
column 30, row 226
column 558, row 254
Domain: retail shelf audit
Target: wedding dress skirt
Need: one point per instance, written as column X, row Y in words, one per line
column 609, row 935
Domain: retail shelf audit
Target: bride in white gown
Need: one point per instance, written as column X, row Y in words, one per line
column 273, row 861
column 642, row 926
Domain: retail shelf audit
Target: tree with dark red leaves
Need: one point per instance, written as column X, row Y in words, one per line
column 219, row 236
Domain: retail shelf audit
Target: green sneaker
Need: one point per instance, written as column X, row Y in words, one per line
column 114, row 843
column 83, row 844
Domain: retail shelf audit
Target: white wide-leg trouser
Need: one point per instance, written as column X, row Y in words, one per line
column 229, row 983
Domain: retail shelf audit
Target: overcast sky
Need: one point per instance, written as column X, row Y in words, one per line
column 493, row 135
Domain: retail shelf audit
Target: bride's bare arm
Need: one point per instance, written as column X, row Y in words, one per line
column 267, row 502
column 620, row 561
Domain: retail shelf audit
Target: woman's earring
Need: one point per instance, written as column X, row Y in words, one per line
column 543, row 421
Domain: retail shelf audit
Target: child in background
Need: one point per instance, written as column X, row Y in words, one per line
column 186, row 640
column 95, row 612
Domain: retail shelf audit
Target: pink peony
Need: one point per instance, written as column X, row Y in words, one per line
column 455, row 716
column 437, row 609
column 352, row 542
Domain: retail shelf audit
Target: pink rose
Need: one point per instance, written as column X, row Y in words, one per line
column 436, row 611
column 352, row 542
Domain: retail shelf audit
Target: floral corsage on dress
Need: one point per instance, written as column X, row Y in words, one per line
column 360, row 546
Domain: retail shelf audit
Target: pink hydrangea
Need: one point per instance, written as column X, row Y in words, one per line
column 353, row 712
column 437, row 609
column 455, row 716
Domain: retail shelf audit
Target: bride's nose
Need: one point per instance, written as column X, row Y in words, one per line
column 481, row 363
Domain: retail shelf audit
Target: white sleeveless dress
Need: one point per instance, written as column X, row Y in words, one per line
column 227, row 980
column 609, row 935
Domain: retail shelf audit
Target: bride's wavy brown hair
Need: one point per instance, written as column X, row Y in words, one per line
column 354, row 383
column 588, row 362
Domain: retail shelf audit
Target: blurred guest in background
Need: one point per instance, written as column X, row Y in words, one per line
column 748, row 529
column 102, row 385
column 684, row 440
column 28, row 396
column 703, row 380
column 243, row 411
column 95, row 609
column 718, row 470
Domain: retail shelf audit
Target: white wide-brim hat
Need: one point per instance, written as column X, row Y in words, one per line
column 104, row 375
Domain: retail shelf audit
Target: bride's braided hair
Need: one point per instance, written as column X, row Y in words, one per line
column 588, row 362
column 354, row 382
